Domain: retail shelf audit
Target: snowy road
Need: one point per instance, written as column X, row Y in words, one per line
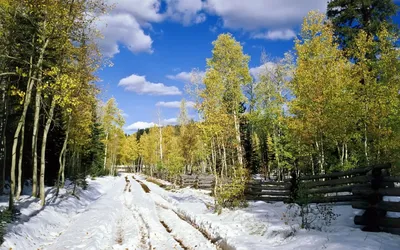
column 124, row 217
column 136, row 214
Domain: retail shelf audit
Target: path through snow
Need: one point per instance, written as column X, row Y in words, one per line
column 123, row 217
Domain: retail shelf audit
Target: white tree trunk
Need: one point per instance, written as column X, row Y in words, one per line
column 34, row 142
column 105, row 152
column 21, row 156
column 43, row 151
column 238, row 140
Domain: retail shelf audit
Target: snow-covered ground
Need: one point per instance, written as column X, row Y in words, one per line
column 113, row 213
column 271, row 225
column 118, row 213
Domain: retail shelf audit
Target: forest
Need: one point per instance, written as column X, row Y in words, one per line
column 331, row 104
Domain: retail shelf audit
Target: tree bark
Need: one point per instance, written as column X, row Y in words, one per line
column 61, row 159
column 105, row 152
column 21, row 155
column 43, row 151
column 34, row 142
column 366, row 143
column 224, row 160
column 21, row 123
column 4, row 137
column 238, row 140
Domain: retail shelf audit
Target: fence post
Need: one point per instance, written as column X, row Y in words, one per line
column 196, row 183
column 294, row 181
column 372, row 214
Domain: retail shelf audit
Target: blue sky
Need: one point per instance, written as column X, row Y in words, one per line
column 154, row 45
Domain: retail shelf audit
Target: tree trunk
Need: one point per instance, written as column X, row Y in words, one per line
column 105, row 152
column 366, row 143
column 160, row 135
column 277, row 155
column 43, row 151
column 21, row 123
column 21, row 156
column 224, row 160
column 34, row 142
column 4, row 137
column 61, row 158
column 238, row 140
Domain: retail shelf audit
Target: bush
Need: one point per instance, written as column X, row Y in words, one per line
column 313, row 216
column 231, row 194
column 5, row 218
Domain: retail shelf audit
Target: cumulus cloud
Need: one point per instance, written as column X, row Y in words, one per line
column 257, row 71
column 285, row 34
column 186, row 12
column 263, row 14
column 122, row 29
column 126, row 23
column 140, row 125
column 174, row 104
column 143, row 125
column 170, row 121
column 183, row 76
column 140, row 85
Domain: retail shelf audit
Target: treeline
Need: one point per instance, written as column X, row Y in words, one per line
column 52, row 124
column 331, row 104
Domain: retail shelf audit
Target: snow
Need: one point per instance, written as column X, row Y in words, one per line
column 113, row 213
column 263, row 225
column 117, row 213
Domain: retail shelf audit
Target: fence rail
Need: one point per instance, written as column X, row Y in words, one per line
column 363, row 188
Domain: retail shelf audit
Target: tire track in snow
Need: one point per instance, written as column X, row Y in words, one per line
column 183, row 232
column 143, row 227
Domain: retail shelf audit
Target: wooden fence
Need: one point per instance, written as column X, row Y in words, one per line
column 364, row 188
column 323, row 188
column 269, row 190
column 197, row 181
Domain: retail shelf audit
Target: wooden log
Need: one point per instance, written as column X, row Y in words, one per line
column 329, row 199
column 277, row 188
column 391, row 178
column 355, row 171
column 381, row 191
column 205, row 178
column 255, row 193
column 269, row 199
column 353, row 180
column 326, row 190
column 383, row 222
column 384, row 205
column 270, row 183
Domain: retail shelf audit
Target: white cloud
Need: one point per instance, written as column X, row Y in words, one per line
column 285, row 34
column 140, row 125
column 143, row 125
column 183, row 76
column 186, row 12
column 253, row 15
column 170, row 121
column 122, row 29
column 126, row 23
column 143, row 10
column 257, row 71
column 140, row 85
column 174, row 104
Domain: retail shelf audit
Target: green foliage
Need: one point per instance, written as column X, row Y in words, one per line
column 351, row 16
column 231, row 194
column 313, row 216
column 5, row 218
